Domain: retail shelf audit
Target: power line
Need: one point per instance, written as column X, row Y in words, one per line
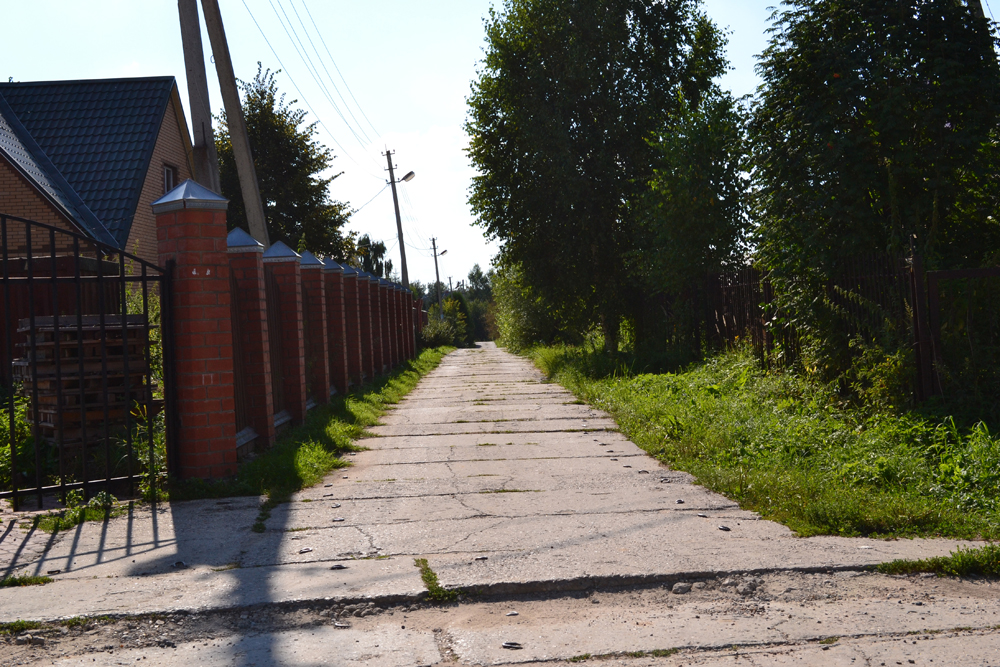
column 303, row 54
column 373, row 198
column 329, row 76
column 346, row 85
column 299, row 91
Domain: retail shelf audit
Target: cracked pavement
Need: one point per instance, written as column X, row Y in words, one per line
column 526, row 499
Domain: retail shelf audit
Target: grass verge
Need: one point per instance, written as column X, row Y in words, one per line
column 435, row 591
column 790, row 450
column 982, row 561
column 300, row 458
column 24, row 580
column 17, row 627
column 306, row 453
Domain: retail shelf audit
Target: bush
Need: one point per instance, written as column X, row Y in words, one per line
column 449, row 329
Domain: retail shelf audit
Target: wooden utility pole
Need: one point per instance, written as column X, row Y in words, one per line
column 399, row 223
column 977, row 8
column 237, row 124
column 437, row 278
column 206, row 159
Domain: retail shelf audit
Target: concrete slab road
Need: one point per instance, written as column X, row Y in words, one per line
column 569, row 542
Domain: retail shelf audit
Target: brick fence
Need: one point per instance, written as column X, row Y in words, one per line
column 261, row 337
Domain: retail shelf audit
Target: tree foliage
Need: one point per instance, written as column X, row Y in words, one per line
column 693, row 217
column 876, row 123
column 568, row 94
column 290, row 162
column 372, row 256
column 874, row 118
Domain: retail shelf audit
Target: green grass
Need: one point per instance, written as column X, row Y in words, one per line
column 24, row 580
column 17, row 627
column 305, row 454
column 66, row 519
column 982, row 561
column 793, row 451
column 435, row 591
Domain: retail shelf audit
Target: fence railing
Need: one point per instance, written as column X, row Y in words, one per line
column 81, row 364
column 869, row 296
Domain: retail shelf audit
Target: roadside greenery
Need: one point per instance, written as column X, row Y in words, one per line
column 982, row 561
column 306, row 453
column 794, row 450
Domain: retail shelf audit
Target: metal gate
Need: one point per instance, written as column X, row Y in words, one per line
column 84, row 344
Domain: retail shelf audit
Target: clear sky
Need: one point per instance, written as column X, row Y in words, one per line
column 408, row 65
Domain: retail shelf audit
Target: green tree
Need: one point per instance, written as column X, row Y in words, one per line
column 874, row 120
column 289, row 162
column 479, row 284
column 372, row 256
column 559, row 117
column 873, row 116
column 694, row 215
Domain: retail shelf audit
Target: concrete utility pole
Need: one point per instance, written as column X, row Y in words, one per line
column 237, row 124
column 206, row 159
column 437, row 278
column 399, row 223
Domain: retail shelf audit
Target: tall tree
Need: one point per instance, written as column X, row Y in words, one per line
column 480, row 284
column 290, row 162
column 873, row 119
column 694, row 215
column 559, row 117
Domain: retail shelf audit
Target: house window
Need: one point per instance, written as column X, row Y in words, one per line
column 169, row 178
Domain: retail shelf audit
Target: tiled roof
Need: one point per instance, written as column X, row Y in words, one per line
column 99, row 134
column 28, row 158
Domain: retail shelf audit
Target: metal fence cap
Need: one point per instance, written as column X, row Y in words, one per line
column 239, row 241
column 279, row 252
column 189, row 195
column 310, row 261
column 332, row 266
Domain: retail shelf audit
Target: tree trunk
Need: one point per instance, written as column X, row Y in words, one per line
column 609, row 327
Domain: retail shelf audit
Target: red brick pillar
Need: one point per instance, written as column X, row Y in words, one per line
column 247, row 276
column 352, row 326
column 404, row 352
column 283, row 264
column 316, row 337
column 397, row 340
column 191, row 232
column 336, row 325
column 393, row 338
column 375, row 304
column 408, row 324
column 383, row 307
column 418, row 315
column 367, row 328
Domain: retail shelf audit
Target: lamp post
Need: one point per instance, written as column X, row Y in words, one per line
column 399, row 223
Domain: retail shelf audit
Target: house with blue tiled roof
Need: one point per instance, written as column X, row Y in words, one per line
column 92, row 155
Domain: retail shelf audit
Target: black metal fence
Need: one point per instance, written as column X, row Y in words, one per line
column 84, row 342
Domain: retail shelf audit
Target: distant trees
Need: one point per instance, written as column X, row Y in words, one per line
column 372, row 257
column 290, row 162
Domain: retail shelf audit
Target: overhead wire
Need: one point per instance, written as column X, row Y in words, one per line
column 332, row 60
column 299, row 91
column 373, row 198
column 329, row 76
column 303, row 54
